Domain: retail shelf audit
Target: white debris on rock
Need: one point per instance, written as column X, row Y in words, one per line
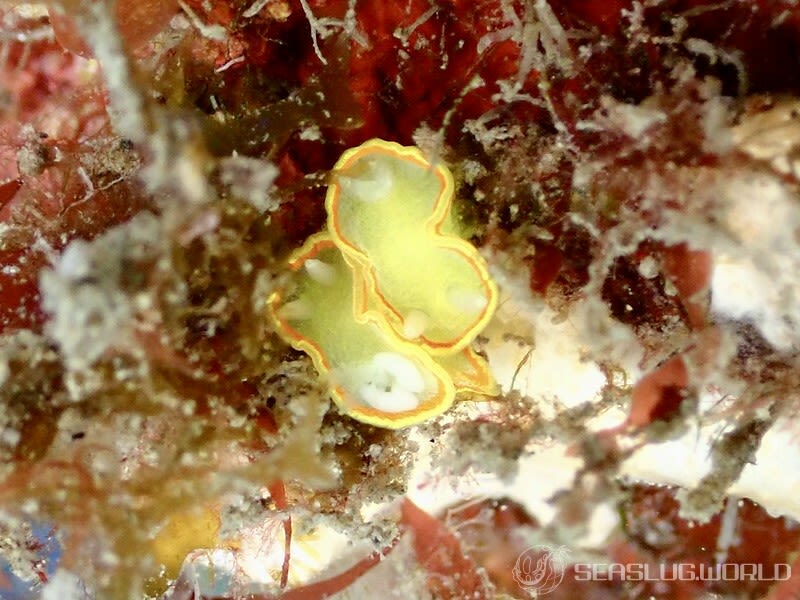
column 83, row 292
column 64, row 585
column 630, row 119
column 772, row 135
column 548, row 359
column 558, row 372
column 771, row 479
column 550, row 355
column 250, row 179
column 544, row 470
column 689, row 458
column 87, row 318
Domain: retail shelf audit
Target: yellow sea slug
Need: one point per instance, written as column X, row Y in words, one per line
column 388, row 300
column 389, row 213
column 373, row 378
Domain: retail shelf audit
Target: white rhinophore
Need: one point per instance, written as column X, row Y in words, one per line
column 296, row 310
column 320, row 271
column 415, row 323
column 372, row 181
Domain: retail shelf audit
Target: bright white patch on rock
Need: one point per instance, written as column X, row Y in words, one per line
column 772, row 479
column 547, row 358
column 549, row 466
column 755, row 269
column 744, row 292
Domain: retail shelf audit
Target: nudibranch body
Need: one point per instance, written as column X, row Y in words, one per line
column 372, row 377
column 388, row 300
column 388, row 210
